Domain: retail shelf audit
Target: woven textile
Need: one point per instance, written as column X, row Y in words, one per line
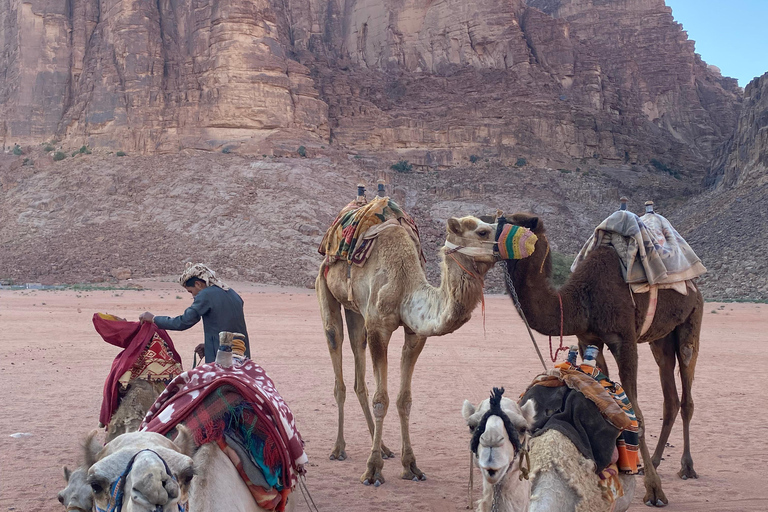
column 346, row 238
column 516, row 242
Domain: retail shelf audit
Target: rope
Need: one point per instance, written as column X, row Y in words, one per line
column 303, row 488
column 516, row 300
column 482, row 285
column 561, row 347
column 471, row 481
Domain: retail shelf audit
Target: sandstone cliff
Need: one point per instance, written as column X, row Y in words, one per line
column 435, row 81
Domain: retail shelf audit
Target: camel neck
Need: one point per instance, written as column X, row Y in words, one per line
column 540, row 300
column 431, row 311
column 511, row 494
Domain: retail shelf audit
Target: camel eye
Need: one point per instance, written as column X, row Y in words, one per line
column 96, row 487
column 483, row 233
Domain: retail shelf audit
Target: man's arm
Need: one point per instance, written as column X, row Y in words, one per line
column 186, row 320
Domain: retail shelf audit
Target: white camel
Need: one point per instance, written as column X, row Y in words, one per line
column 500, row 430
column 160, row 475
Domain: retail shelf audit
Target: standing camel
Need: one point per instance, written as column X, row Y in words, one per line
column 390, row 290
column 598, row 308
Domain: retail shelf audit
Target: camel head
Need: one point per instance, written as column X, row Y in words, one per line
column 149, row 472
column 76, row 496
column 499, row 428
column 541, row 251
column 472, row 237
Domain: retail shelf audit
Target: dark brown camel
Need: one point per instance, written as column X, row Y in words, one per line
column 599, row 309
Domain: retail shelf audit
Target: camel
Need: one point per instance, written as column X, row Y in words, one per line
column 76, row 496
column 599, row 309
column 561, row 479
column 390, row 290
column 495, row 453
column 165, row 475
column 135, row 401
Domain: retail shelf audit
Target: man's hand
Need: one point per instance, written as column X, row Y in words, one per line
column 200, row 351
column 146, row 317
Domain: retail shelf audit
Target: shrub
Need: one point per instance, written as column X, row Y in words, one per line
column 75, row 153
column 85, row 150
column 402, row 166
column 302, row 151
column 48, row 148
column 120, row 153
column 521, row 162
column 473, row 158
column 59, row 156
column 17, row 150
column 561, row 267
column 226, row 150
column 565, row 171
column 28, row 161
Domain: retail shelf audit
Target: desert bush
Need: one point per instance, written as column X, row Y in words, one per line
column 120, row 153
column 561, row 267
column 474, row 158
column 302, row 151
column 521, row 162
column 59, row 156
column 402, row 166
column 85, row 150
column 48, row 148
column 17, row 150
column 665, row 168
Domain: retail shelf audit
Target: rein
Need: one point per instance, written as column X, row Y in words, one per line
column 516, row 300
column 561, row 347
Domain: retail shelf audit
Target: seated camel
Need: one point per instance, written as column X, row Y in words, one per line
column 559, row 478
column 167, row 476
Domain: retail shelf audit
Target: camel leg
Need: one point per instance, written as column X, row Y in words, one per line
column 356, row 329
column 411, row 349
column 688, row 353
column 625, row 353
column 664, row 352
column 378, row 343
column 330, row 311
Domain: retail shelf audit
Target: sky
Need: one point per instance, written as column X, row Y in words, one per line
column 731, row 34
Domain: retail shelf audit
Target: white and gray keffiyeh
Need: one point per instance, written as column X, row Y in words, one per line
column 203, row 273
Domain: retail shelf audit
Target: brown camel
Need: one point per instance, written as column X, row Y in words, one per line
column 599, row 309
column 391, row 290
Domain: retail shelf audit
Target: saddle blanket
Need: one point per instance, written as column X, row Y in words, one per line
column 353, row 234
column 239, row 407
column 651, row 250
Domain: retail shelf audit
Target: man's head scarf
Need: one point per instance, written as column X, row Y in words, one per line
column 203, row 273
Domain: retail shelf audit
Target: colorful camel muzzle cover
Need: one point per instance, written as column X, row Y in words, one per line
column 514, row 242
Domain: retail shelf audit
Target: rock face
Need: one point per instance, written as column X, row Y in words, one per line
column 152, row 76
column 435, row 81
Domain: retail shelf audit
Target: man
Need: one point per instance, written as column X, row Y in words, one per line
column 220, row 307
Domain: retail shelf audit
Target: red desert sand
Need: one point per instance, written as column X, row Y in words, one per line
column 54, row 366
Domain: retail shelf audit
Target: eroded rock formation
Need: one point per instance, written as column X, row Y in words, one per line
column 436, row 81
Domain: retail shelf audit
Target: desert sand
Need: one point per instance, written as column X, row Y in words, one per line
column 54, row 366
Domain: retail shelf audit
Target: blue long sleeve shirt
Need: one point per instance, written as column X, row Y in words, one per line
column 221, row 310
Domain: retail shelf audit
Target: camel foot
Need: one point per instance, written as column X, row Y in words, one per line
column 654, row 496
column 686, row 472
column 372, row 478
column 413, row 473
column 338, row 454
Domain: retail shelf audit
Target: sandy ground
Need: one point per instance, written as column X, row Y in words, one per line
column 54, row 365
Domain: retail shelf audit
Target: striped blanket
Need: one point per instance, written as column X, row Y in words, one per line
column 352, row 235
column 239, row 409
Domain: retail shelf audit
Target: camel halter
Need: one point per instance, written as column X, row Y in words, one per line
column 117, row 490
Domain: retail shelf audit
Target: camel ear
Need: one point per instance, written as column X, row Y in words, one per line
column 529, row 412
column 67, row 474
column 91, row 448
column 184, row 441
column 454, row 226
column 467, row 410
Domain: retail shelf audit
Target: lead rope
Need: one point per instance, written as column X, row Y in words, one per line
column 516, row 300
column 303, row 488
column 471, row 481
column 561, row 347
